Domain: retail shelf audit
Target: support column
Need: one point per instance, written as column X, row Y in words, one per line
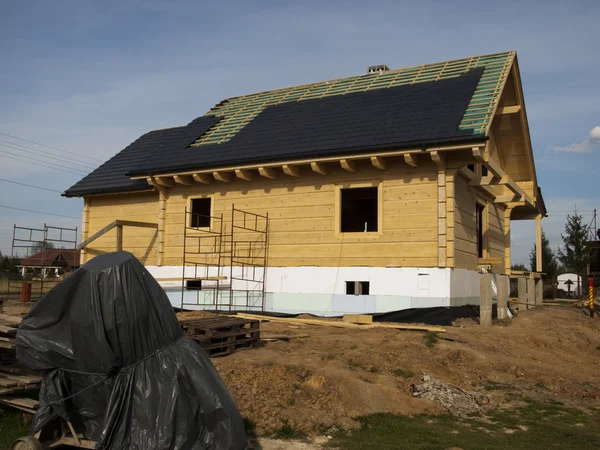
column 507, row 213
column 440, row 161
column 162, row 219
column 85, row 228
column 530, row 293
column 485, row 299
column 450, row 217
column 539, row 291
column 119, row 238
column 503, row 286
column 522, row 288
column 538, row 244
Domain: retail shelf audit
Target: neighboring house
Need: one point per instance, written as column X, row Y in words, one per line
column 383, row 191
column 50, row 263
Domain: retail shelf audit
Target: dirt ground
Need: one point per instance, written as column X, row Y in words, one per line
column 321, row 382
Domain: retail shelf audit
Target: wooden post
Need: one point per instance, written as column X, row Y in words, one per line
column 530, row 292
column 503, row 285
column 85, row 228
column 162, row 221
column 485, row 299
column 507, row 214
column 538, row 244
column 119, row 238
column 539, row 291
column 522, row 287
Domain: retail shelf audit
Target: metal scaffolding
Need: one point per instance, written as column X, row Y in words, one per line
column 52, row 244
column 225, row 264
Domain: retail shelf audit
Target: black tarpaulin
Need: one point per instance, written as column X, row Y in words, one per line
column 117, row 366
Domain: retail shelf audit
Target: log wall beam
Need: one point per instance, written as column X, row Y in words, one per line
column 319, row 168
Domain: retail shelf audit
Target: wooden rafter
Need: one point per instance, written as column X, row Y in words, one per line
column 165, row 181
column 318, row 168
column 439, row 159
column 184, row 179
column 348, row 164
column 244, row 174
column 267, row 172
column 225, row 177
column 291, row 170
column 203, row 178
column 378, row 162
column 411, row 159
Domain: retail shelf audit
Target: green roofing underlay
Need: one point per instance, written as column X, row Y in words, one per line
column 236, row 112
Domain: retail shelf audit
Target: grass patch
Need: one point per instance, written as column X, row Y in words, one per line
column 288, row 432
column 490, row 385
column 11, row 427
column 354, row 364
column 431, row 339
column 547, row 425
column 373, row 369
column 598, row 347
column 404, row 373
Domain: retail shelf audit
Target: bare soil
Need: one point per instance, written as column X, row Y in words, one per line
column 322, row 382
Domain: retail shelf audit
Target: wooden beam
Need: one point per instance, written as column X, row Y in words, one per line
column 318, row 168
column 412, row 159
column 113, row 224
column 378, row 162
column 508, row 110
column 183, row 179
column 119, row 238
column 439, row 159
column 538, row 243
column 203, row 178
column 244, row 174
column 164, row 181
column 507, row 198
column 224, row 177
column 267, row 172
column 348, row 164
column 488, row 180
column 291, row 170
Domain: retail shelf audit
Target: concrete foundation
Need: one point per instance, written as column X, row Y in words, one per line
column 322, row 290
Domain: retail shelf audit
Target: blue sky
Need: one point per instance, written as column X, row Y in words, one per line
column 89, row 77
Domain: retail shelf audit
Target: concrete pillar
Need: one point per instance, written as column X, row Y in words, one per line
column 503, row 286
column 539, row 292
column 530, row 293
column 522, row 288
column 485, row 299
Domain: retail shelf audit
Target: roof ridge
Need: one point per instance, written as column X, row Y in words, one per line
column 399, row 69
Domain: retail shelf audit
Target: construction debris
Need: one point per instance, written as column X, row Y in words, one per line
column 342, row 324
column 458, row 402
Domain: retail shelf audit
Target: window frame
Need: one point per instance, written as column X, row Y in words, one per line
column 189, row 210
column 338, row 210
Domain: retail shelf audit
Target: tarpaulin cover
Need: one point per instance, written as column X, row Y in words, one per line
column 117, row 366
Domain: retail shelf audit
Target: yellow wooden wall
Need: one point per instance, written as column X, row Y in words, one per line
column 141, row 206
column 466, row 228
column 302, row 216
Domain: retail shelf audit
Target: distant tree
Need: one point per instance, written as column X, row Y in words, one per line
column 519, row 267
column 39, row 246
column 574, row 255
column 549, row 264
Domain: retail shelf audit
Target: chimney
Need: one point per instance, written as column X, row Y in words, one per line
column 377, row 69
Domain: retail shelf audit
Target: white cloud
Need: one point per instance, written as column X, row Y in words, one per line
column 584, row 147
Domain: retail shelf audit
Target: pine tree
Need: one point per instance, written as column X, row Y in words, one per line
column 549, row 264
column 575, row 256
column 519, row 266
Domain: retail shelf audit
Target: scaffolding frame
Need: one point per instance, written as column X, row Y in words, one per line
column 28, row 238
column 235, row 251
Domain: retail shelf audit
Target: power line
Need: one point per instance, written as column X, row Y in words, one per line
column 46, row 152
column 30, row 185
column 70, row 165
column 28, row 160
column 47, row 146
column 39, row 212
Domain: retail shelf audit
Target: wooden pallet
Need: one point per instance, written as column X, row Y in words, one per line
column 221, row 335
column 8, row 331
